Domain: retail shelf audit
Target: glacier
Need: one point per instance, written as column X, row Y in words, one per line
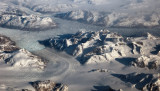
column 88, row 45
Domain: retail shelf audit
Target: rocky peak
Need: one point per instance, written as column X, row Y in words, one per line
column 91, row 45
column 23, row 59
column 103, row 46
column 6, row 44
column 150, row 62
column 48, row 85
column 150, row 36
column 14, row 11
column 17, row 19
column 154, row 85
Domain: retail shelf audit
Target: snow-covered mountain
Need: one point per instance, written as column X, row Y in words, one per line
column 112, row 19
column 110, row 13
column 52, row 9
column 45, row 6
column 18, row 18
column 154, row 85
column 94, row 2
column 90, row 46
column 6, row 44
column 49, row 86
column 104, row 46
column 141, row 81
column 19, row 58
column 31, row 22
column 111, row 61
column 23, row 59
column 85, row 17
column 150, row 62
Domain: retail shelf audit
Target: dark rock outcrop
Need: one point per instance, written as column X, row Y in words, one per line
column 48, row 86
